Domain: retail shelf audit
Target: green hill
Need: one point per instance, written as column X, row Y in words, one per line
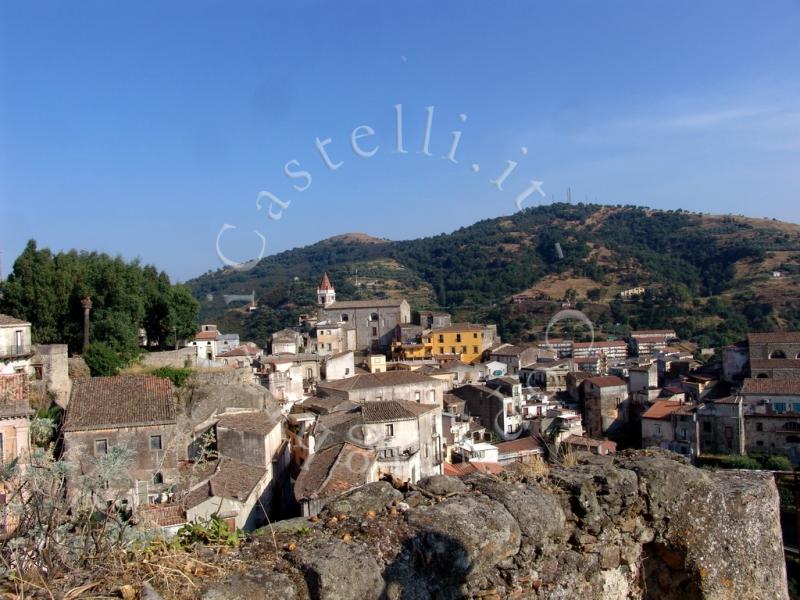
column 711, row 277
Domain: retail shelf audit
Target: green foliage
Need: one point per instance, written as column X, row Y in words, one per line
column 735, row 461
column 778, row 463
column 177, row 376
column 212, row 531
column 103, row 360
column 46, row 289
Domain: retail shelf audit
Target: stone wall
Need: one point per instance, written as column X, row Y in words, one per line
column 179, row 359
column 640, row 525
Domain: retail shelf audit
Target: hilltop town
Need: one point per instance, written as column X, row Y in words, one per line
column 223, row 430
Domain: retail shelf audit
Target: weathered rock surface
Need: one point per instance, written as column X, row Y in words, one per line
column 643, row 525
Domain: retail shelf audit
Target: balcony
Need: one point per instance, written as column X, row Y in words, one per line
column 15, row 351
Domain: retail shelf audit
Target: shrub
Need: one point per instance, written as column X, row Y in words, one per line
column 177, row 376
column 735, row 461
column 778, row 463
column 103, row 360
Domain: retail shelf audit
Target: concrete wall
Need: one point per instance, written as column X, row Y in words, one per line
column 53, row 362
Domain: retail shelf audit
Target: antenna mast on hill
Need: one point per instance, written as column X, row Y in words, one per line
column 569, row 195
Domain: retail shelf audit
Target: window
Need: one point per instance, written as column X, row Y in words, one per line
column 474, row 349
column 345, row 317
column 475, row 335
column 417, row 396
column 779, row 407
column 441, row 349
column 155, row 442
column 441, row 338
column 309, row 372
column 777, row 354
column 759, row 443
column 373, row 317
column 347, row 370
column 374, row 332
column 38, row 372
column 452, row 349
column 458, row 337
column 388, row 453
column 759, row 427
column 158, row 479
column 796, row 407
column 100, row 447
column 792, row 426
column 463, row 349
column 389, row 430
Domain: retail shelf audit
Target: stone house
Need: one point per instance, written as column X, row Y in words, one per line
column 514, row 357
column 496, row 409
column 392, row 385
column 205, row 343
column 549, row 376
column 289, row 377
column 286, row 341
column 135, row 411
column 772, row 416
column 605, row 405
column 247, row 482
column 774, row 345
column 50, row 377
column 332, row 337
column 721, row 423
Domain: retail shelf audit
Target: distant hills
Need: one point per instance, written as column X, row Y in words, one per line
column 711, row 277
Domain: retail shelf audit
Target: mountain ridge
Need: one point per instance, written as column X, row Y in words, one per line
column 699, row 269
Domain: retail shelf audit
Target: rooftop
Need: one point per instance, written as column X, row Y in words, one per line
column 333, row 471
column 121, row 401
column 231, row 479
column 376, row 380
column 344, row 304
column 774, row 337
column 8, row 320
column 521, row 444
column 775, row 363
column 790, row 387
column 662, row 409
column 393, row 410
column 258, row 422
column 606, row 381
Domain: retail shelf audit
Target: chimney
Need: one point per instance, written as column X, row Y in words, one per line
column 86, row 303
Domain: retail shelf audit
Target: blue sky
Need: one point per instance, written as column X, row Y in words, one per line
column 144, row 128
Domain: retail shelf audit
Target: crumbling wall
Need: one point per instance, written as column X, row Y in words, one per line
column 641, row 525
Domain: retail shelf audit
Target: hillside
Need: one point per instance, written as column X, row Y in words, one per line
column 711, row 277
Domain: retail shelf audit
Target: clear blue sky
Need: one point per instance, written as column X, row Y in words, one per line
column 142, row 128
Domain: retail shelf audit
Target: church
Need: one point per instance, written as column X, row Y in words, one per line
column 374, row 321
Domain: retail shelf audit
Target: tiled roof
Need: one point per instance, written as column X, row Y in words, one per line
column 606, row 381
column 125, row 400
column 375, row 380
column 207, row 335
column 521, row 444
column 771, row 386
column 393, row 410
column 231, row 479
column 466, row 468
column 239, row 351
column 327, row 405
column 508, row 350
column 167, row 515
column 345, row 304
column 325, row 282
column 258, row 422
column 333, row 471
column 338, row 427
column 9, row 320
column 662, row 409
column 775, row 363
column 774, row 337
column 458, row 327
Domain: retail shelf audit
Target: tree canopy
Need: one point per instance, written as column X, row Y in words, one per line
column 46, row 289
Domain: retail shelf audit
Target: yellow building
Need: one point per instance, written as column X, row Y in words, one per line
column 465, row 341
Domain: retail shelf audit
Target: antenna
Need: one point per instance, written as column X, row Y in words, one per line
column 569, row 195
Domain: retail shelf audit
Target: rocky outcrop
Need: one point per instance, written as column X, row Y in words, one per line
column 642, row 525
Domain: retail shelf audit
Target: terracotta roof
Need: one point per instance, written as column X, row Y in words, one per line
column 325, row 282
column 775, row 363
column 393, row 410
column 521, row 444
column 461, row 469
column 231, row 479
column 606, row 381
column 122, row 401
column 579, row 440
column 338, row 427
column 206, row 335
column 662, row 409
column 167, row 515
column 327, row 405
column 333, row 471
column 14, row 401
column 508, row 350
column 374, row 380
column 774, row 337
column 258, row 422
column 9, row 320
column 239, row 351
column 778, row 387
column 344, row 304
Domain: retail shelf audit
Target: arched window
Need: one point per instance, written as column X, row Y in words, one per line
column 777, row 354
column 158, row 479
column 762, row 376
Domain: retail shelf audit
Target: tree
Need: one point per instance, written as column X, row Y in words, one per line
column 103, row 360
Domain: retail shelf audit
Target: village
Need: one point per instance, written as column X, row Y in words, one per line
column 369, row 390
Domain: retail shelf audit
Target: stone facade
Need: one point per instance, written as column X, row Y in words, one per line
column 374, row 321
